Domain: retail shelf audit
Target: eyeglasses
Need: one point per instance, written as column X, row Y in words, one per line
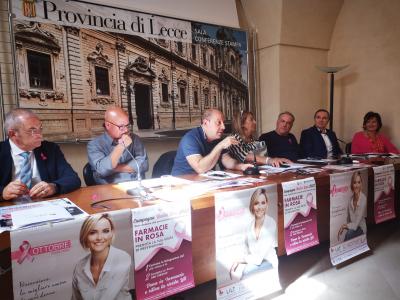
column 34, row 131
column 120, row 127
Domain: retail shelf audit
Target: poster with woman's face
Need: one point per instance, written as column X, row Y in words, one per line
column 348, row 212
column 77, row 259
column 384, row 193
column 246, row 241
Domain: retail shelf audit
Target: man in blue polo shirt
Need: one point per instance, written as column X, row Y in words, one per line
column 201, row 148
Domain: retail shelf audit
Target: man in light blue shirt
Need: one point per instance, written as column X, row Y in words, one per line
column 110, row 154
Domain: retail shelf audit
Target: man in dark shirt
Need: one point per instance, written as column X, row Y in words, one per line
column 280, row 142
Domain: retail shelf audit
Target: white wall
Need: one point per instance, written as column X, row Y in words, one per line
column 367, row 36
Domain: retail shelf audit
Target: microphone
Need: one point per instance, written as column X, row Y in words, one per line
column 138, row 191
column 259, row 146
column 344, row 160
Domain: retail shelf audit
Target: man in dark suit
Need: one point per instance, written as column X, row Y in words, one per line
column 30, row 166
column 318, row 141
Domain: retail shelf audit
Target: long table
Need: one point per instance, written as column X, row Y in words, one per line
column 203, row 225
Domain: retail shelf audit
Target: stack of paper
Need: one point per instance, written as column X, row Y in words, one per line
column 38, row 213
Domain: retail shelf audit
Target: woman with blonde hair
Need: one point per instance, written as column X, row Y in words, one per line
column 356, row 210
column 244, row 129
column 104, row 272
column 260, row 239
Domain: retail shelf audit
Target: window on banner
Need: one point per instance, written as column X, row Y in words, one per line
column 39, row 70
column 164, row 91
column 102, row 81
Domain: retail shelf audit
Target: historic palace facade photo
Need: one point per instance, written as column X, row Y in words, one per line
column 69, row 76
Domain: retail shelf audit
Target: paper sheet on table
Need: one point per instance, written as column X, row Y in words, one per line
column 38, row 213
column 265, row 169
column 212, row 185
column 165, row 181
column 220, row 175
column 345, row 167
column 317, row 160
column 201, row 187
column 179, row 194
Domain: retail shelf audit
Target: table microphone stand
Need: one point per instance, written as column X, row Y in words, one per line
column 139, row 191
column 252, row 170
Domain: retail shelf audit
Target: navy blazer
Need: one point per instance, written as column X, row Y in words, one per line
column 51, row 164
column 313, row 145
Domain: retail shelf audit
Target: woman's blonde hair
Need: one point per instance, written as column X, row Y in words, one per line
column 238, row 121
column 257, row 193
column 353, row 177
column 89, row 224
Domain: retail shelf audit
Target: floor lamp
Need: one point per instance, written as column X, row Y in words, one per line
column 332, row 71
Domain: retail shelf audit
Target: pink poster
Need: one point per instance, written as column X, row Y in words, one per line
column 162, row 249
column 384, row 193
column 348, row 212
column 89, row 258
column 300, row 214
column 245, row 243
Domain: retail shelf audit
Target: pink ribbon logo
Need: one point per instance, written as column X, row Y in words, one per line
column 25, row 250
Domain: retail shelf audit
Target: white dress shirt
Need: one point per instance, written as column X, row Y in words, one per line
column 113, row 282
column 328, row 144
column 17, row 161
column 263, row 247
column 356, row 217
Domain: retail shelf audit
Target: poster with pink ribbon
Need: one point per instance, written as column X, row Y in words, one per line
column 348, row 213
column 384, row 193
column 88, row 258
column 163, row 249
column 246, row 238
column 300, row 214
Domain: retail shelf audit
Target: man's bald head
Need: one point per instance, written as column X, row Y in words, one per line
column 114, row 113
column 116, row 122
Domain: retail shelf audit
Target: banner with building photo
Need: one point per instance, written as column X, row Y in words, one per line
column 62, row 261
column 384, row 193
column 300, row 214
column 75, row 59
column 348, row 213
column 246, row 238
column 163, row 249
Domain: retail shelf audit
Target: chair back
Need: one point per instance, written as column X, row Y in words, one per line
column 88, row 175
column 164, row 164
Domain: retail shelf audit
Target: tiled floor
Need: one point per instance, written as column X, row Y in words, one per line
column 310, row 275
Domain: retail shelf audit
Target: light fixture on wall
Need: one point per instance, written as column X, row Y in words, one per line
column 332, row 71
